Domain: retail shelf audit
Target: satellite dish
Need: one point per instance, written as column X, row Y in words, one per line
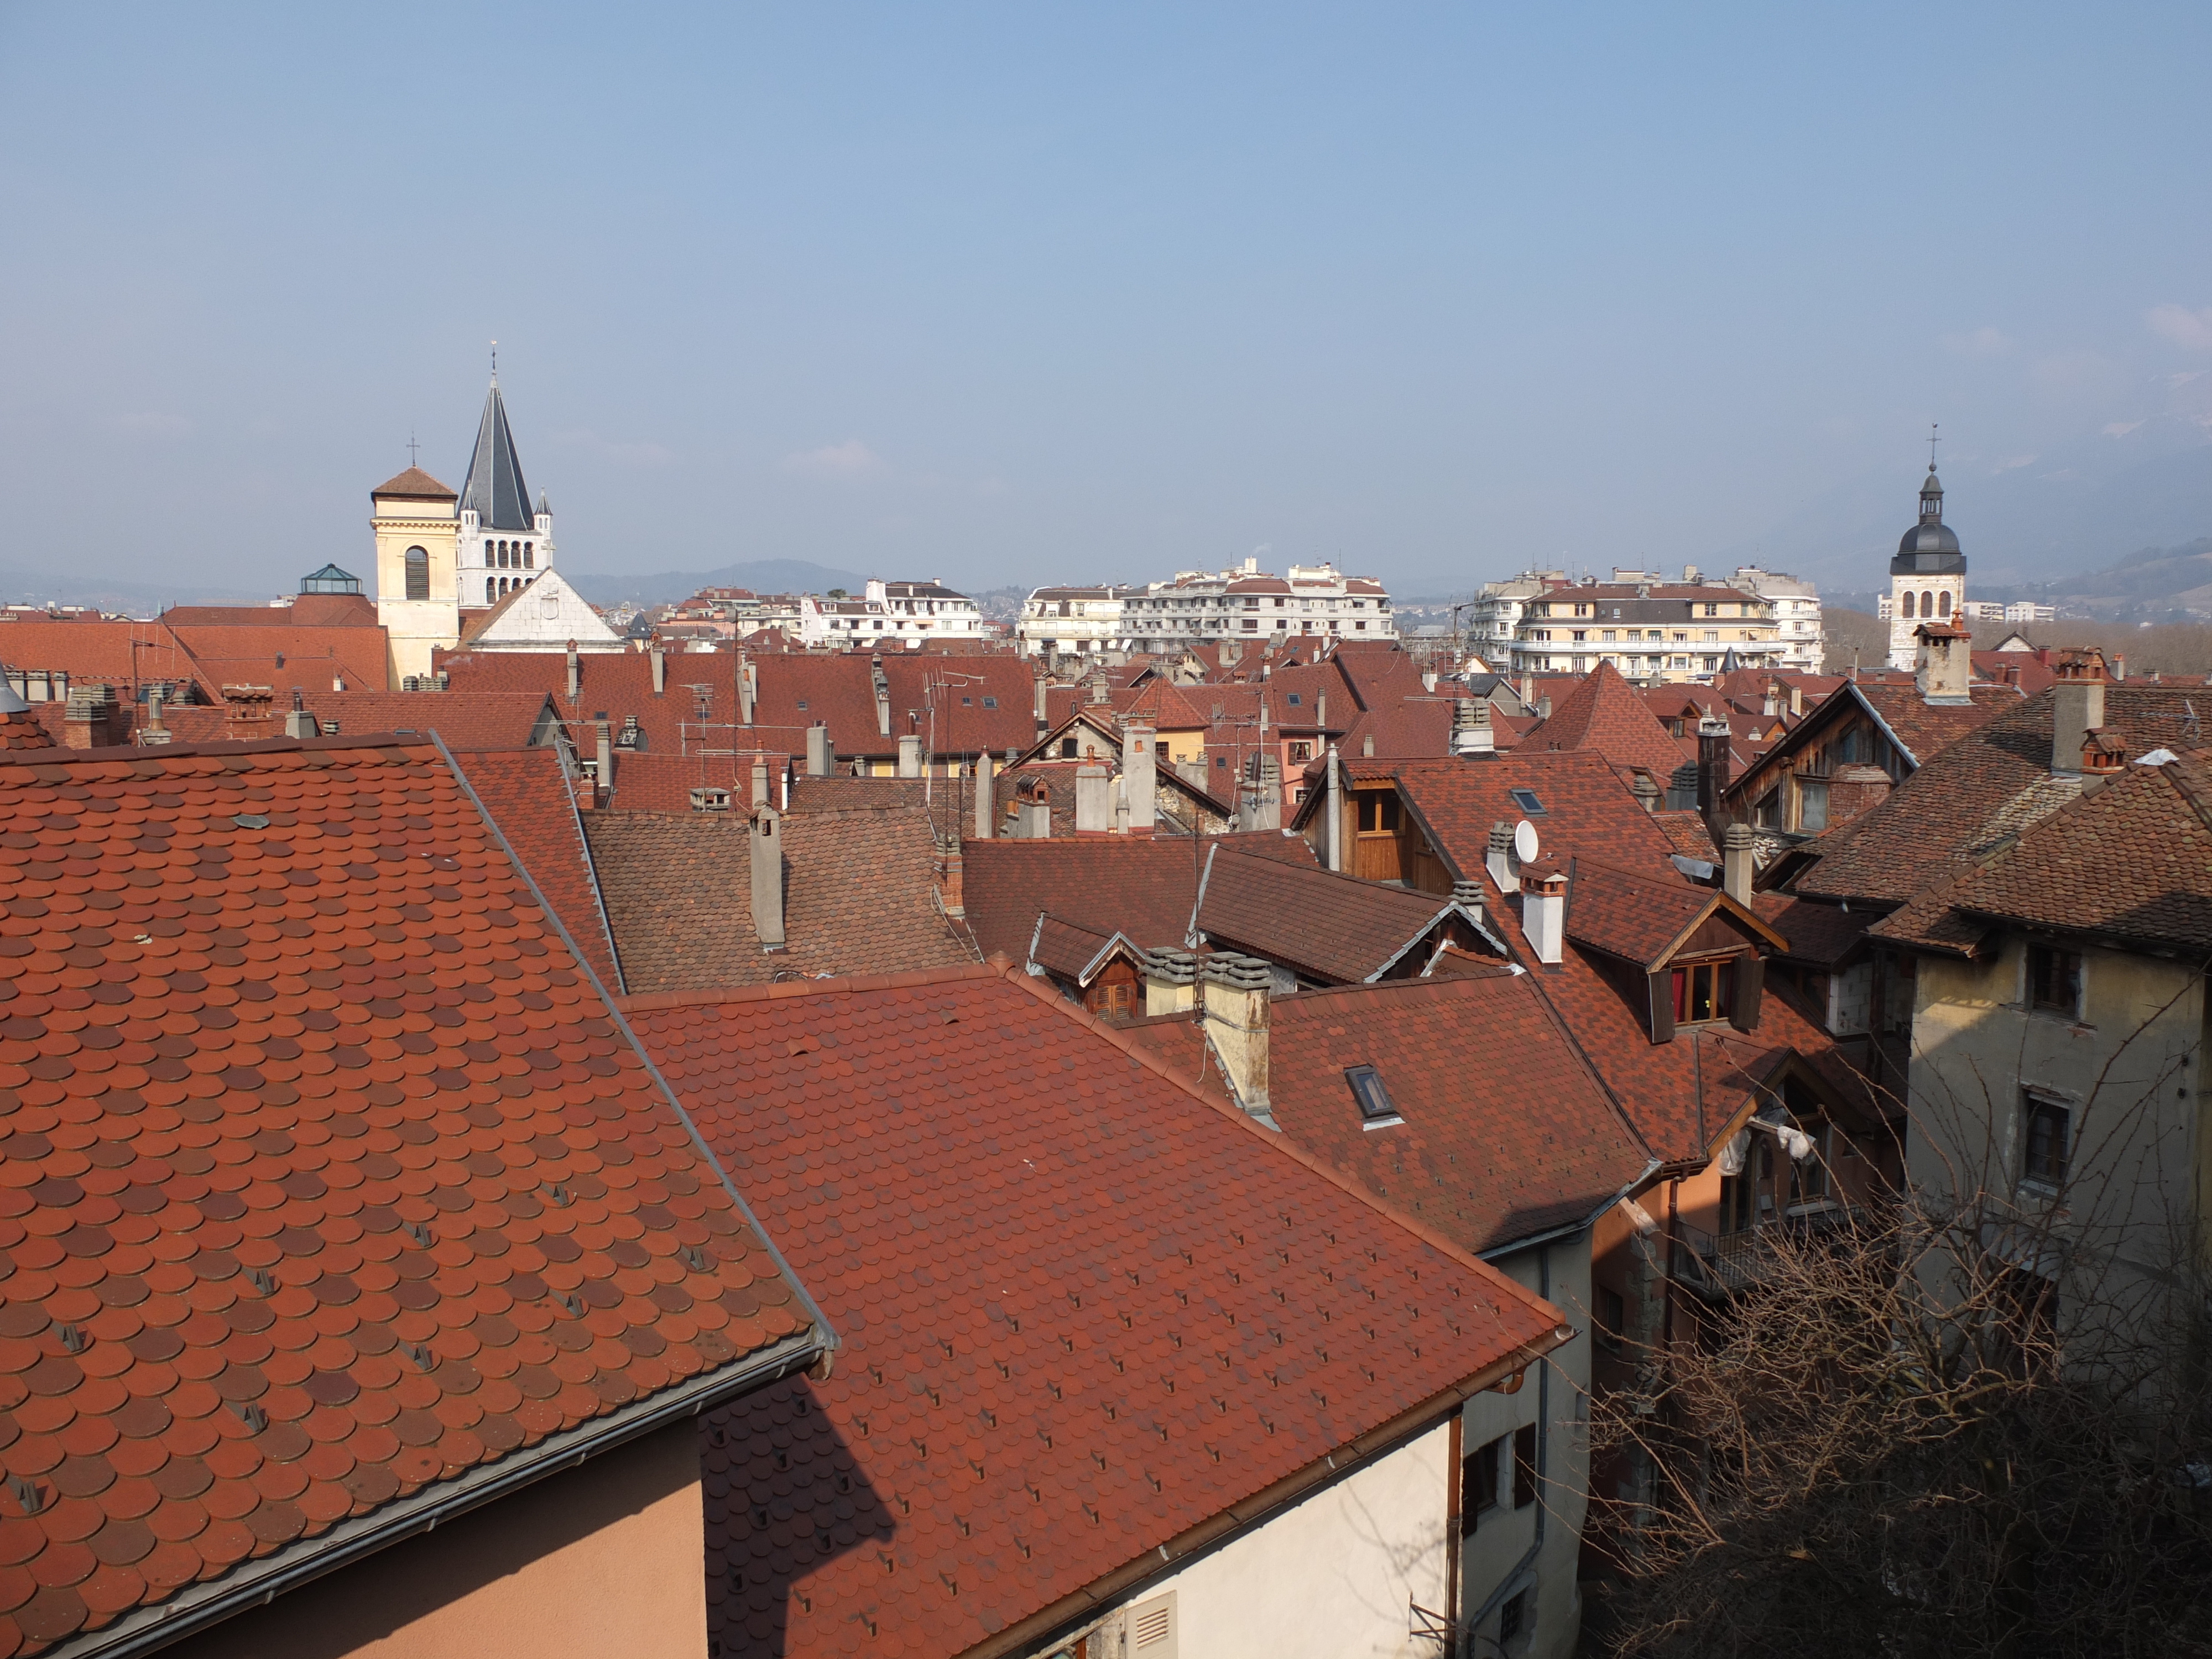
column 1524, row 842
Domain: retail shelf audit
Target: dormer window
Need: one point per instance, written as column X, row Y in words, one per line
column 1704, row 991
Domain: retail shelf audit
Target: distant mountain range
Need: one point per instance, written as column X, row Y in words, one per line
column 762, row 576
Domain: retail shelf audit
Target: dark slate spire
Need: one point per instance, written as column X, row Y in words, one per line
column 495, row 489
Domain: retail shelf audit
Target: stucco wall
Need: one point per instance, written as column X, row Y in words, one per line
column 2131, row 1071
column 1332, row 1576
column 602, row 1560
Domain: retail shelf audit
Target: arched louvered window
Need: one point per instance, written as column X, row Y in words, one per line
column 418, row 573
column 1943, row 605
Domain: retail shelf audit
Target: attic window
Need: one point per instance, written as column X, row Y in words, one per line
column 1375, row 1111
column 990, row 702
column 1526, row 801
column 1294, row 699
column 966, row 702
column 802, row 703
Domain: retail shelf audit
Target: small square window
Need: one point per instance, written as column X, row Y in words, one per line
column 1513, row 1617
column 966, row 702
column 1374, row 1107
column 802, row 703
column 990, row 702
column 1526, row 801
column 1294, row 699
column 2054, row 982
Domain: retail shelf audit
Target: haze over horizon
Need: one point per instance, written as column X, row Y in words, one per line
column 1007, row 295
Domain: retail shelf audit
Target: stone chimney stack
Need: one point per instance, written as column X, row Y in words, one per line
column 1773, row 704
column 748, row 687
column 88, row 721
column 1736, row 866
column 986, row 798
column 1236, row 990
column 1544, row 910
column 1039, row 702
column 575, row 673
column 1033, row 812
column 883, row 686
column 1498, row 859
column 1094, row 799
column 1320, row 713
column 2077, row 708
column 1468, row 895
column 659, row 658
column 299, row 723
column 1171, row 981
column 1946, row 663
column 819, row 755
column 1139, row 777
column 767, row 878
column 1333, row 810
column 152, row 731
column 760, row 781
column 603, row 775
column 1647, row 792
column 1472, row 734
column 909, row 755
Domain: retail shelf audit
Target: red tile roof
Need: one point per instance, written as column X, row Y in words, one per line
column 328, row 1178
column 2130, row 863
column 414, row 483
column 531, row 800
column 1819, row 934
column 1687, row 834
column 1328, row 926
column 1606, row 713
column 465, row 720
column 858, row 897
column 1084, row 1312
column 1506, row 1133
column 1964, row 800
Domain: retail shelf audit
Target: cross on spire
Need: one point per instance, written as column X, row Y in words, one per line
column 495, row 363
column 412, row 446
column 1932, row 441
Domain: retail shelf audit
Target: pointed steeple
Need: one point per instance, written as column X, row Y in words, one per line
column 1931, row 498
column 495, row 490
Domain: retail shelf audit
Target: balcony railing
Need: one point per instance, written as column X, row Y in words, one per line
column 1719, row 1266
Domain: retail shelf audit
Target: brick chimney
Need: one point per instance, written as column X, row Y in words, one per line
column 88, row 721
column 944, row 871
column 1946, row 670
column 1737, row 868
column 767, row 878
column 247, row 706
column 2077, row 708
column 1094, row 799
column 1236, row 989
column 1544, row 910
column 2104, row 758
column 1140, row 779
column 1171, row 978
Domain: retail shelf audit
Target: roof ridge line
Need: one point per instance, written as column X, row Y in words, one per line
column 655, row 1001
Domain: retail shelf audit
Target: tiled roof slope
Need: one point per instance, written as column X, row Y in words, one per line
column 532, row 801
column 1680, row 1096
column 465, row 720
column 327, row 1178
column 1687, row 834
column 1285, row 908
column 1606, row 713
column 1334, row 927
column 1822, row 934
column 1587, row 809
column 1083, row 1312
column 2131, row 862
column 1964, row 800
column 834, row 794
column 858, row 898
column 1634, row 914
column 1507, row 1132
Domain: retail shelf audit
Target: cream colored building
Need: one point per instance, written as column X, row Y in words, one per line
column 417, row 595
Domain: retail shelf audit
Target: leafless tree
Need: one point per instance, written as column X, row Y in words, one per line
column 1891, row 1439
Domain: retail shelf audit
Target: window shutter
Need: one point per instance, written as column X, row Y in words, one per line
column 1524, row 1466
column 1750, row 980
column 1662, row 1005
column 1153, row 1628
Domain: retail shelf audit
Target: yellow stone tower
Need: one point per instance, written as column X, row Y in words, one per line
column 417, row 525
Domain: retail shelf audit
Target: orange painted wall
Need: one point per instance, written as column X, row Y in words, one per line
column 603, row 1560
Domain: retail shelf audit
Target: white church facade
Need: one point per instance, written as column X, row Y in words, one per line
column 449, row 566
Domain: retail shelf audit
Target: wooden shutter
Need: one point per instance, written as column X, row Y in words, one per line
column 1663, row 1005
column 1524, row 1466
column 1750, row 981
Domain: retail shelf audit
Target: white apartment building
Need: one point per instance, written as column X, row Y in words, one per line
column 1200, row 608
column 1796, row 604
column 901, row 614
column 1076, row 620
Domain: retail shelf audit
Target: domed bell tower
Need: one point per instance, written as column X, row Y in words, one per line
column 1928, row 577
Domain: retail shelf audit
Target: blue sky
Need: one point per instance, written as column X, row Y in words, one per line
column 1010, row 294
